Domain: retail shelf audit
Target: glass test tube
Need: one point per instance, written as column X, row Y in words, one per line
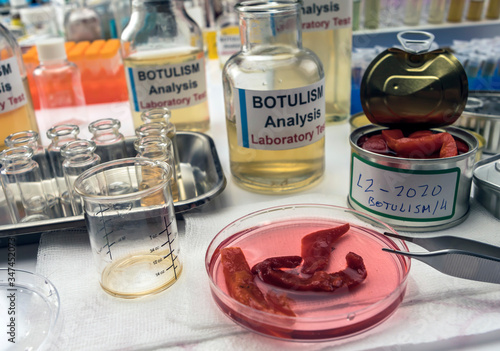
column 493, row 10
column 371, row 12
column 110, row 143
column 356, row 13
column 475, row 10
column 456, row 11
column 22, row 179
column 59, row 136
column 78, row 157
column 413, row 11
column 31, row 139
column 436, row 11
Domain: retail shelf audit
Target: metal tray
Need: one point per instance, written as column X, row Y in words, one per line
column 202, row 177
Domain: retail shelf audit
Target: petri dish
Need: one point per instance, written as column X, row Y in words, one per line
column 32, row 310
column 319, row 316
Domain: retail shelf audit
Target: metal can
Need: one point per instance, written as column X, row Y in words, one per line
column 486, row 184
column 482, row 115
column 413, row 90
column 412, row 194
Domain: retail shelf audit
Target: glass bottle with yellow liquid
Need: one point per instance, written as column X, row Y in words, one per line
column 16, row 107
column 327, row 31
column 162, row 50
column 274, row 92
column 228, row 32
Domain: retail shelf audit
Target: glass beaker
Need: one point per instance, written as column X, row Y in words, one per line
column 132, row 228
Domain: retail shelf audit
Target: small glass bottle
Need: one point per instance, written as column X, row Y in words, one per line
column 23, row 179
column 155, row 129
column 78, row 157
column 159, row 148
column 475, row 10
column 413, row 12
column 456, row 11
column 31, row 139
column 58, row 81
column 274, row 93
column 372, row 14
column 162, row 115
column 110, row 143
column 165, row 63
column 436, row 11
column 493, row 10
column 60, row 135
column 228, row 32
column 331, row 41
column 16, row 107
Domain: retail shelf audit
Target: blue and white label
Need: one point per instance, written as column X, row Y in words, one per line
column 408, row 195
column 319, row 15
column 280, row 119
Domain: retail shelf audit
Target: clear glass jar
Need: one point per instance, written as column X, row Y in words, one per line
column 274, row 102
column 17, row 112
column 162, row 50
column 328, row 33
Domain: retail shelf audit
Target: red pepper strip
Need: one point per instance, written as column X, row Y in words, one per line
column 317, row 247
column 420, row 133
column 421, row 147
column 269, row 272
column 376, row 143
column 392, row 134
column 449, row 148
column 241, row 286
column 462, row 147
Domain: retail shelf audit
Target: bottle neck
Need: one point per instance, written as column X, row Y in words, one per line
column 271, row 24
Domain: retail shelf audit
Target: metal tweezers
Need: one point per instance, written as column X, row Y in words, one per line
column 458, row 257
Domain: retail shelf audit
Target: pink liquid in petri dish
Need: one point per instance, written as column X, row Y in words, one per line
column 319, row 315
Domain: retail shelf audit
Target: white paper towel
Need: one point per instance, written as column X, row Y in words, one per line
column 437, row 309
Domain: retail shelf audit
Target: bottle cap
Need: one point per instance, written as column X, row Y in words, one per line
column 51, row 50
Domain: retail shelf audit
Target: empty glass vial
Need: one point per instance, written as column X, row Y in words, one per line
column 162, row 50
column 158, row 148
column 162, row 115
column 7, row 214
column 59, row 136
column 23, row 180
column 274, row 93
column 164, row 130
column 31, row 139
column 78, row 157
column 110, row 143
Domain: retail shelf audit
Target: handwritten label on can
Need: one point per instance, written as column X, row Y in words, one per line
column 280, row 119
column 409, row 195
column 319, row 15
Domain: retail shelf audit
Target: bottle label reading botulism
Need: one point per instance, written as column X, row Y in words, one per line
column 280, row 119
